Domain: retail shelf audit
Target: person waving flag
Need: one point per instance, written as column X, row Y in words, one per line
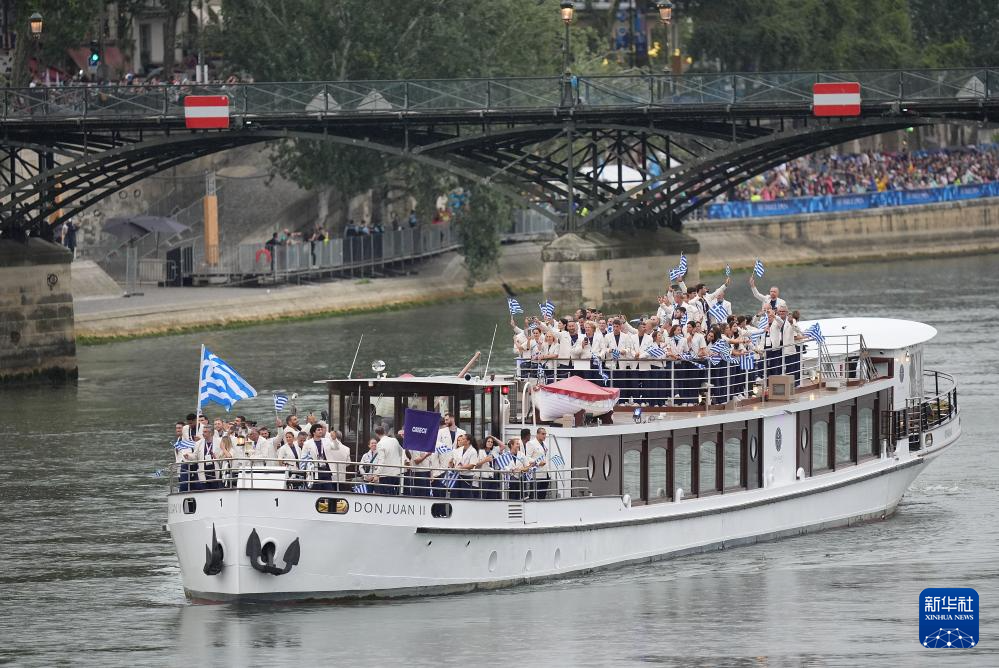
column 220, row 383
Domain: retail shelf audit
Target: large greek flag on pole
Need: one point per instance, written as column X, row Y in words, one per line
column 220, row 383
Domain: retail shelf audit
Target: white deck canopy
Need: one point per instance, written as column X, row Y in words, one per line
column 879, row 333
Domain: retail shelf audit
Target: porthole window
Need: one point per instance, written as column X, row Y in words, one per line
column 754, row 447
column 329, row 506
column 804, row 438
column 607, row 467
column 441, row 510
column 591, row 467
column 190, row 506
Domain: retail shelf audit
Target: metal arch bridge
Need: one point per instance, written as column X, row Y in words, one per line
column 689, row 137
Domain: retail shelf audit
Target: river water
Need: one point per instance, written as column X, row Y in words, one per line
column 89, row 577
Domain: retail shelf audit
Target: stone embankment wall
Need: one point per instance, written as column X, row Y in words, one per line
column 37, row 338
column 938, row 229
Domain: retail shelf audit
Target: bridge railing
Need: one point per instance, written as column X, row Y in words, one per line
column 498, row 94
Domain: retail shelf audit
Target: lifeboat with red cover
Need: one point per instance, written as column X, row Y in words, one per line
column 572, row 395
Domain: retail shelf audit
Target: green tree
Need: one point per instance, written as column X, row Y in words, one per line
column 960, row 33
column 479, row 230
column 773, row 35
column 322, row 40
column 67, row 23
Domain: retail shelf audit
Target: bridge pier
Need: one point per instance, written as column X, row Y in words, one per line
column 37, row 338
column 614, row 269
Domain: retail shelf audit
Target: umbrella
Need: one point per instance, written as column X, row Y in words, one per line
column 139, row 226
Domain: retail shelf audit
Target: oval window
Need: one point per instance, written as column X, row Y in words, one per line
column 804, row 438
column 607, row 467
column 328, row 506
column 591, row 467
column 753, row 448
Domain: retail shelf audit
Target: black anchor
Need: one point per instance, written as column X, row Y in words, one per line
column 263, row 560
column 213, row 556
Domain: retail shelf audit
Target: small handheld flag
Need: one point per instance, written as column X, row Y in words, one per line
column 728, row 270
column 502, row 461
column 764, row 321
column 758, row 268
column 443, row 449
column 547, row 309
column 655, row 352
column 558, row 462
column 514, row 306
column 815, row 333
column 360, row 489
column 747, row 362
column 680, row 270
column 616, row 354
column 596, row 361
column 305, row 462
column 219, row 382
column 450, row 479
column 718, row 311
column 280, row 401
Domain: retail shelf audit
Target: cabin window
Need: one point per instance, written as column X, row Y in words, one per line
column 866, row 443
column 683, row 463
column 733, row 462
column 707, row 465
column 591, row 468
column 820, row 445
column 843, row 440
column 631, row 473
column 658, row 485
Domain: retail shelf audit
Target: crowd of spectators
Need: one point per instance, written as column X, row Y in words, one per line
column 871, row 171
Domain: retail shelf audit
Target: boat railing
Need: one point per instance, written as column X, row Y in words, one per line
column 839, row 359
column 526, row 483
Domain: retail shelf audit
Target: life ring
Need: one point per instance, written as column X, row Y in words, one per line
column 264, row 252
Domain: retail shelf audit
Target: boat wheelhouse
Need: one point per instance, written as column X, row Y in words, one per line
column 836, row 441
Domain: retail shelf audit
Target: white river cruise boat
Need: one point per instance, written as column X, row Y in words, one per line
column 690, row 459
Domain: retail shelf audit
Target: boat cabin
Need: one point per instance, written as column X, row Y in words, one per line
column 357, row 406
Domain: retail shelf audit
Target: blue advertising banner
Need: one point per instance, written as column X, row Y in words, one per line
column 948, row 618
column 420, row 430
column 853, row 202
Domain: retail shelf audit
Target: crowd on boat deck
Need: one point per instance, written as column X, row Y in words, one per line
column 693, row 349
column 211, row 455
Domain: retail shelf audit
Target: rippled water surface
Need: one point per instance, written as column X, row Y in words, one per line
column 87, row 576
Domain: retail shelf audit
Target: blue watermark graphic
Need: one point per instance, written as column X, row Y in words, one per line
column 948, row 618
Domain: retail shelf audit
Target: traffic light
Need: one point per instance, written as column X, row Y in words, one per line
column 95, row 55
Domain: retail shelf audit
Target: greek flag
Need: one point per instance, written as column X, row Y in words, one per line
column 616, row 354
column 502, row 461
column 683, row 320
column 183, row 444
column 718, row 311
column 722, row 348
column 280, row 401
column 764, row 321
column 305, row 463
column 758, row 268
column 690, row 358
column 680, row 269
column 558, row 462
column 443, row 449
column 220, row 383
column 728, row 270
column 514, row 305
column 600, row 368
column 450, row 479
column 757, row 336
column 655, row 352
column 360, row 489
column 747, row 362
column 815, row 333
column 547, row 309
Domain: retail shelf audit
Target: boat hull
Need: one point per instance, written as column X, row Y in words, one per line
column 393, row 546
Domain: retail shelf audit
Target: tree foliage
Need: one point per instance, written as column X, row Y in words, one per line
column 479, row 231
column 960, row 33
column 774, row 35
column 323, row 40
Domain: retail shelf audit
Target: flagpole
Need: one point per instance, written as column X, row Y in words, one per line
column 351, row 372
column 197, row 403
column 485, row 373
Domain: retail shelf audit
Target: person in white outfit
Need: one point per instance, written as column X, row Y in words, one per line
column 393, row 460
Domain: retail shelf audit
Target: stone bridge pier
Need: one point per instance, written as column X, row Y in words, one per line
column 37, row 338
column 617, row 269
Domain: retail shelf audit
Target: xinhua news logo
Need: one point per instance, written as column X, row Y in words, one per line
column 948, row 618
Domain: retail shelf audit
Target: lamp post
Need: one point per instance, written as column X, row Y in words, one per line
column 568, row 8
column 35, row 25
column 665, row 8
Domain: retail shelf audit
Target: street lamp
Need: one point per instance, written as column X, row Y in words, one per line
column 568, row 9
column 665, row 8
column 35, row 23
